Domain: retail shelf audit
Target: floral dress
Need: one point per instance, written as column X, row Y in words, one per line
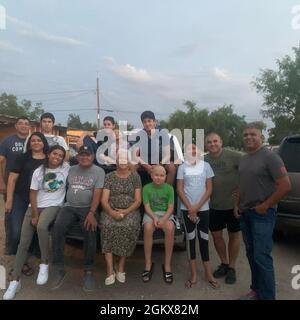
column 120, row 237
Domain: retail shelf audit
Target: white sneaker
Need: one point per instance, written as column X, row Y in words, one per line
column 43, row 274
column 110, row 280
column 121, row 277
column 13, row 288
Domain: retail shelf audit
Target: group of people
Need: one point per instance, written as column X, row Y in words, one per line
column 225, row 189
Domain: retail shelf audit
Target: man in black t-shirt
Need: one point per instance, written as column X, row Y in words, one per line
column 154, row 148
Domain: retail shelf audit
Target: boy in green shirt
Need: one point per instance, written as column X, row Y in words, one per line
column 158, row 198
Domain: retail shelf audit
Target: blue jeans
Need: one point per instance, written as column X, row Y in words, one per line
column 13, row 224
column 257, row 232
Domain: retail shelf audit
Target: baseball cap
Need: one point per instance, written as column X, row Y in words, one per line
column 85, row 149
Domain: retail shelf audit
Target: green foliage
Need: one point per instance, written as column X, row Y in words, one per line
column 75, row 122
column 223, row 121
column 9, row 106
column 281, row 93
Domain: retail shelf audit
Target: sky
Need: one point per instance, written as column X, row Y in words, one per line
column 147, row 54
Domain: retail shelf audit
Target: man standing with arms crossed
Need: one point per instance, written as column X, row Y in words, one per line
column 263, row 182
column 224, row 163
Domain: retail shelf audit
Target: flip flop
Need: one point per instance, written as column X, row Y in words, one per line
column 189, row 284
column 214, row 284
column 147, row 274
column 168, row 276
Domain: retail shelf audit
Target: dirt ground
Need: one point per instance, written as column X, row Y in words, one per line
column 286, row 254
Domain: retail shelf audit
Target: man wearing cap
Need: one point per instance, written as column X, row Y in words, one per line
column 85, row 185
column 154, row 148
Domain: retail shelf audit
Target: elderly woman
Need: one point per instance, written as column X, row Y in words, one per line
column 120, row 219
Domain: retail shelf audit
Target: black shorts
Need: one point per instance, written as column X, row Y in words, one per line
column 220, row 219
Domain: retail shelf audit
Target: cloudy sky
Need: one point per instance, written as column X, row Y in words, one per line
column 148, row 54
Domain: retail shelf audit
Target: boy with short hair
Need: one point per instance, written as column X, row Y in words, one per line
column 155, row 149
column 158, row 198
column 47, row 122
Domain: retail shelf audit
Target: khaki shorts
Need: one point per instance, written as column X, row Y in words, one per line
column 159, row 215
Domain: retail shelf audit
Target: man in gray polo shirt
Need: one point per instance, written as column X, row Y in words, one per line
column 263, row 182
column 85, row 185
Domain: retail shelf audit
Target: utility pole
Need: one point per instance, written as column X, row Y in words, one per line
column 98, row 104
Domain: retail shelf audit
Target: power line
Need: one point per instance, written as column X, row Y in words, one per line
column 53, row 92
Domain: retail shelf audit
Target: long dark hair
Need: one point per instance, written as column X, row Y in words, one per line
column 51, row 149
column 44, row 140
column 46, row 162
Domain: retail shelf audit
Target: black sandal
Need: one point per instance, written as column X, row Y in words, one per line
column 147, row 274
column 168, row 276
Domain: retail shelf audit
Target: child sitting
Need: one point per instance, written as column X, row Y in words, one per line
column 158, row 198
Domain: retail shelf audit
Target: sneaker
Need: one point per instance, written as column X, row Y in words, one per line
column 221, row 271
column 121, row 277
column 89, row 282
column 43, row 274
column 57, row 278
column 110, row 280
column 230, row 276
column 252, row 295
column 13, row 288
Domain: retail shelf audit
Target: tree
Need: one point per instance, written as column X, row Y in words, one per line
column 9, row 106
column 223, row 121
column 281, row 93
column 75, row 122
column 228, row 125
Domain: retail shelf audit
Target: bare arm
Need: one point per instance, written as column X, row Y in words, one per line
column 106, row 206
column 149, row 211
column 169, row 212
column 236, row 198
column 181, row 194
column 2, row 174
column 283, row 186
column 11, row 185
column 90, row 221
column 206, row 195
column 136, row 203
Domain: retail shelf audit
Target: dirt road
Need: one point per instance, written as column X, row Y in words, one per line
column 286, row 255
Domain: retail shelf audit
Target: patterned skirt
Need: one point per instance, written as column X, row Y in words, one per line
column 120, row 237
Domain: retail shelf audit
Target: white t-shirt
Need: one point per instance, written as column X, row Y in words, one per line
column 51, row 186
column 194, row 181
column 54, row 140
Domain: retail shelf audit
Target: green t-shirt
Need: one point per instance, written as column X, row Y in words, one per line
column 225, row 180
column 159, row 197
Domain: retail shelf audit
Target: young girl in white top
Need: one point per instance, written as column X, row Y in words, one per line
column 194, row 187
column 47, row 193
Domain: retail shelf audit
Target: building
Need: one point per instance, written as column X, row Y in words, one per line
column 7, row 127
